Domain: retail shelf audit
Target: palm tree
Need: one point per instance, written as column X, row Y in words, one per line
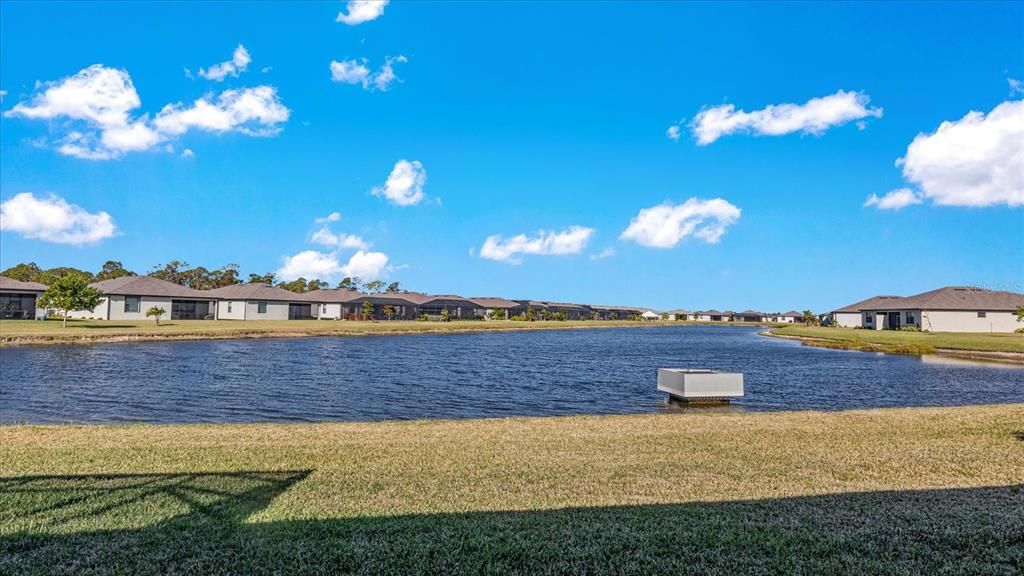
column 156, row 312
column 367, row 310
column 389, row 311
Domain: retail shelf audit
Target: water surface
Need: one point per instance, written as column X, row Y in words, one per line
column 601, row 371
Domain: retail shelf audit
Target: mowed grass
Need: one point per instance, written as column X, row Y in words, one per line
column 51, row 331
column 899, row 491
column 922, row 342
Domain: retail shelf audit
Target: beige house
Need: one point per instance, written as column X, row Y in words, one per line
column 18, row 299
column 329, row 304
column 950, row 309
column 128, row 298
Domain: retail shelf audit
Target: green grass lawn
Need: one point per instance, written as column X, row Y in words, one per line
column 922, row 341
column 908, row 491
column 30, row 331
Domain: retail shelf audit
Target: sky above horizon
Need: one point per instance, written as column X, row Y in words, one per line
column 766, row 156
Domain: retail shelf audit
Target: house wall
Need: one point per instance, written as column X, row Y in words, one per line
column 968, row 321
column 237, row 310
column 328, row 311
column 849, row 320
column 275, row 310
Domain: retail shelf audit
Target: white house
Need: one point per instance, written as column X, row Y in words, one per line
column 329, row 304
column 128, row 298
column 18, row 299
column 256, row 301
column 949, row 309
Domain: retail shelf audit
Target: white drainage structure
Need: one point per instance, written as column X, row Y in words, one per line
column 688, row 385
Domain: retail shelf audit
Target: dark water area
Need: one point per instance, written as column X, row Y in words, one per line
column 484, row 375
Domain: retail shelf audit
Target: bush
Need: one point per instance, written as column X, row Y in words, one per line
column 909, row 329
column 1019, row 331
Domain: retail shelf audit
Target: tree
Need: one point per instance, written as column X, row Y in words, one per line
column 298, row 285
column 22, row 272
column 1020, row 313
column 389, row 311
column 315, row 284
column 225, row 276
column 367, row 309
column 156, row 312
column 375, row 287
column 393, row 287
column 170, row 272
column 445, row 316
column 348, row 283
column 267, row 278
column 112, row 269
column 809, row 318
column 496, row 314
column 560, row 316
column 69, row 294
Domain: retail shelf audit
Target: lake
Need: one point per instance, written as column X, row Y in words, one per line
column 539, row 373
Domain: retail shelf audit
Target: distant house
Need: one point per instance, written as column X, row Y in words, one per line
column 571, row 311
column 750, row 316
column 650, row 315
column 710, row 316
column 487, row 303
column 616, row 312
column 678, row 314
column 128, row 298
column 254, row 301
column 791, row 317
column 949, row 309
column 18, row 299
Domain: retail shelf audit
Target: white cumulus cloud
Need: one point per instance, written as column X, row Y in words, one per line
column 975, row 161
column 53, row 219
column 813, row 117
column 894, row 200
column 664, row 225
column 99, row 103
column 239, row 62
column 1016, row 86
column 356, row 72
column 404, row 186
column 325, row 237
column 606, row 253
column 548, row 243
column 311, row 264
column 332, row 217
column 360, row 11
column 673, row 132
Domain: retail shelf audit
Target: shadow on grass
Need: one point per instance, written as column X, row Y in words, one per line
column 1019, row 435
column 200, row 523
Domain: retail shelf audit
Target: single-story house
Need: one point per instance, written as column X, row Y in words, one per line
column 949, row 309
column 129, row 297
column 791, row 317
column 711, row 316
column 255, row 301
column 485, row 304
column 678, row 314
column 18, row 299
column 650, row 315
column 571, row 311
column 329, row 303
column 616, row 312
column 750, row 316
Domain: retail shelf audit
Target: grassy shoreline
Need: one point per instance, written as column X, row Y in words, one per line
column 28, row 332
column 1001, row 347
column 920, row 490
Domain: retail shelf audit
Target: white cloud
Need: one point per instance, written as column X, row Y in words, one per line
column 311, row 264
column 187, row 153
column 332, row 217
column 813, row 117
column 975, row 161
column 253, row 111
column 1016, row 86
column 325, row 237
column 356, row 72
column 100, row 102
column 404, row 186
column 673, row 132
column 2, row 94
column 54, row 220
column 239, row 62
column 894, row 200
column 606, row 253
column 664, row 225
column 569, row 241
column 360, row 11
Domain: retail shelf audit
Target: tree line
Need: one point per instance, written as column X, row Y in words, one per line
column 197, row 278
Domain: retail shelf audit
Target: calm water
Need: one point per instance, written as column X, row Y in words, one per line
column 464, row 376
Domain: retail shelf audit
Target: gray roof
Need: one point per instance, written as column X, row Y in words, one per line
column 793, row 314
column 148, row 286
column 493, row 302
column 678, row 311
column 12, row 284
column 870, row 304
column 751, row 313
column 332, row 295
column 957, row 298
column 257, row 291
column 567, row 305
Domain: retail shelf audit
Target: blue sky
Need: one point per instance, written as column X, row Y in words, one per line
column 516, row 118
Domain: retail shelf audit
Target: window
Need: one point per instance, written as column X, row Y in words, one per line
column 261, row 307
column 910, row 318
column 229, row 307
column 323, row 308
column 132, row 303
column 981, row 314
column 868, row 318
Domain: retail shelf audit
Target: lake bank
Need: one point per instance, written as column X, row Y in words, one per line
column 693, row 493
column 32, row 333
column 1007, row 348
